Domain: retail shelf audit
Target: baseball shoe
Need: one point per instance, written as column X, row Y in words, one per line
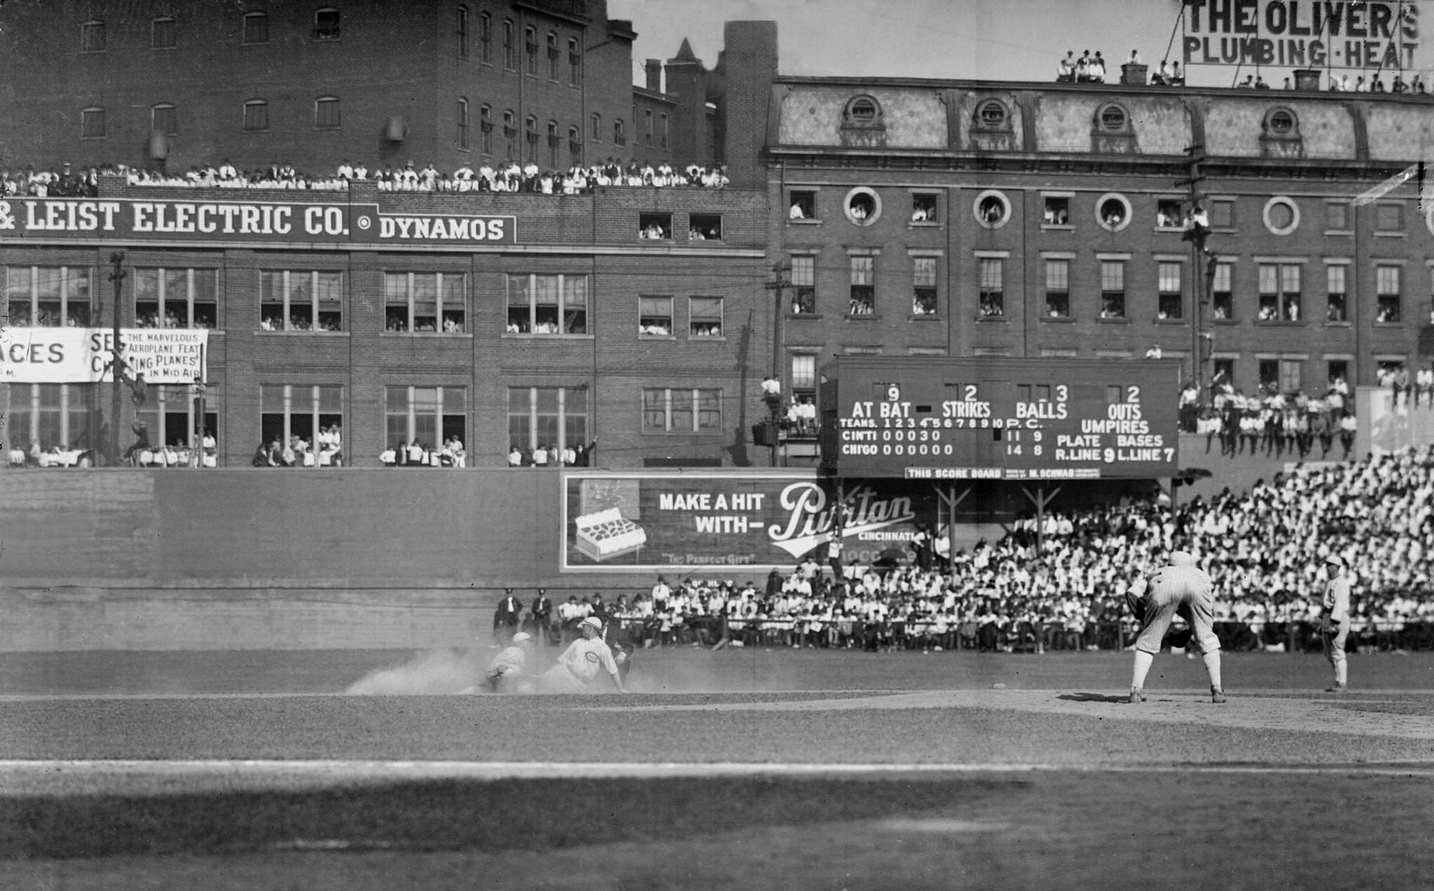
column 1217, row 695
column 1337, row 688
column 1136, row 696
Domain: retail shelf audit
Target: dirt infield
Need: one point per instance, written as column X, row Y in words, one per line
column 799, row 769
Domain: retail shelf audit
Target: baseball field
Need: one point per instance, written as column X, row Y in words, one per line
column 745, row 768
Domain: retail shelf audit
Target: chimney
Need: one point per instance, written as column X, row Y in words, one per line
column 653, row 67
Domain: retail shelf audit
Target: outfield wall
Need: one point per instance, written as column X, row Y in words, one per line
column 338, row 558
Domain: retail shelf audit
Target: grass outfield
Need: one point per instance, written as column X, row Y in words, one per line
column 749, row 769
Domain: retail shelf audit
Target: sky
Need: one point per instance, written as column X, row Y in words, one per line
column 998, row 39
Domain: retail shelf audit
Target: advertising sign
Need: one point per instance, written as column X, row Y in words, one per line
column 1377, row 34
column 83, row 355
column 279, row 223
column 719, row 522
column 997, row 418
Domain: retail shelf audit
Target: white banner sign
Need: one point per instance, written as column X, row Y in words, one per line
column 85, row 355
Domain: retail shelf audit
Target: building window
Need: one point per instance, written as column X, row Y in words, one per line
column 1057, row 211
column 162, row 119
column 863, row 286
column 301, row 300
column 654, row 225
column 92, row 123
column 992, row 209
column 802, row 205
column 992, row 287
column 92, row 36
column 547, row 418
column 575, row 62
column 1113, row 118
column 485, row 38
column 1386, row 294
column 1168, row 214
column 1112, row 212
column 326, row 24
column 991, row 115
column 804, row 281
column 530, row 44
column 1058, row 293
column 432, row 419
column 1280, row 375
column 462, row 115
column 510, row 133
column 1280, row 122
column 47, row 296
column 654, row 316
column 161, row 33
column 863, row 111
column 256, row 115
column 292, row 418
column 1169, row 302
column 326, row 113
column 704, row 317
column 647, row 126
column 704, row 227
column 1279, row 293
column 547, row 305
column 425, row 302
column 923, row 207
column 485, row 129
column 553, row 143
column 1223, row 371
column 176, row 298
column 1222, row 213
column 619, row 133
column 862, row 206
column 45, row 417
column 1282, row 216
column 596, row 128
column 1389, row 217
column 662, row 131
column 530, row 139
column 668, row 410
column 462, row 34
column 1337, row 370
column 1336, row 216
column 554, row 57
column 575, row 145
column 1222, row 293
column 256, row 27
column 1337, row 294
column 171, row 416
column 510, row 46
column 1112, row 289
column 923, row 286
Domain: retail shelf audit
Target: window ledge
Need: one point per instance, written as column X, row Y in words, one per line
column 807, row 222
column 1379, row 234
column 1337, row 323
column 1114, row 320
column 1057, row 227
column 702, row 338
column 304, row 333
column 808, row 316
column 924, row 317
column 1170, row 321
column 1395, row 324
column 1278, row 323
column 993, row 318
column 1059, row 320
column 863, row 317
column 924, row 224
column 453, row 334
column 520, row 336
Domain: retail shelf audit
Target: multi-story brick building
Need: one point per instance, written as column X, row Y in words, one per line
column 961, row 218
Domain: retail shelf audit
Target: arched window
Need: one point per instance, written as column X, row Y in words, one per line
column 554, row 59
column 1281, row 122
column 162, row 119
column 256, row 27
column 597, row 128
column 485, row 129
column 1112, row 118
column 463, row 139
column 992, row 115
column 619, row 133
column 462, row 31
column 161, row 33
column 862, row 111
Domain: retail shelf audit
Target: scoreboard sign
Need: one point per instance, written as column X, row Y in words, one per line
column 999, row 418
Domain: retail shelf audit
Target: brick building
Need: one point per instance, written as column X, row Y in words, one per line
column 918, row 217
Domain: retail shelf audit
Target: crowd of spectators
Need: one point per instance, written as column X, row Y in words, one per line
column 505, row 176
column 326, row 450
column 545, row 455
column 1061, row 584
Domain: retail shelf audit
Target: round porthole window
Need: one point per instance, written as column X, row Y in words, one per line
column 992, row 209
column 1112, row 211
column 1282, row 216
column 991, row 114
column 1113, row 118
column 862, row 206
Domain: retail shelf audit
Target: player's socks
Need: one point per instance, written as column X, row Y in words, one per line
column 1143, row 661
column 1212, row 668
column 1217, row 695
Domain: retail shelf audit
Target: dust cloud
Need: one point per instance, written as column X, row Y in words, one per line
column 436, row 672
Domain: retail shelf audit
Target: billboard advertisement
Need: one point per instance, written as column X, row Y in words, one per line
column 1378, row 34
column 721, row 522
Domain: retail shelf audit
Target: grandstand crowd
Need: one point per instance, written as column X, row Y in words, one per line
column 1063, row 585
column 505, row 176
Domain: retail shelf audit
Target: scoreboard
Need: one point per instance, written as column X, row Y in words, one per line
column 932, row 418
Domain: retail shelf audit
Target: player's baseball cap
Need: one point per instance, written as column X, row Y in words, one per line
column 591, row 622
column 1334, row 559
column 1183, row 558
column 522, row 636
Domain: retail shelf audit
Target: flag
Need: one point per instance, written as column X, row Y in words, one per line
column 1384, row 188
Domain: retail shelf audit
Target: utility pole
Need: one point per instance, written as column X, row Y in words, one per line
column 778, row 286
column 1197, row 230
column 116, row 363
